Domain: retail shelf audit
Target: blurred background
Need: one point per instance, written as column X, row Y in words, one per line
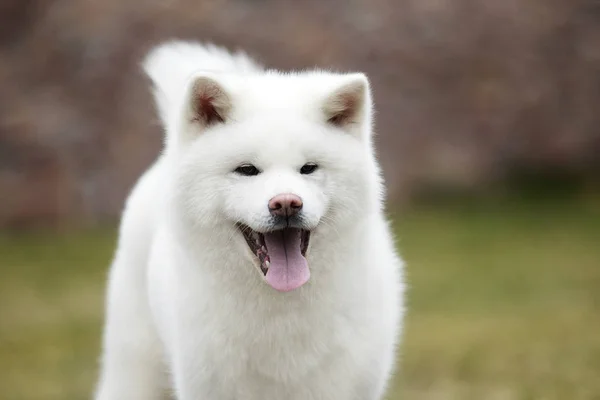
column 488, row 132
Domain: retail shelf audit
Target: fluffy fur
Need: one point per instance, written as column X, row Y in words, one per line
column 188, row 313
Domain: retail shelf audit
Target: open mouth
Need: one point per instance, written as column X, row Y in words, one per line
column 281, row 255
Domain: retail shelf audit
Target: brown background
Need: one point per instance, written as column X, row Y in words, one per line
column 468, row 93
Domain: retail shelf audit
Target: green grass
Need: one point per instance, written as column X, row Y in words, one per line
column 504, row 303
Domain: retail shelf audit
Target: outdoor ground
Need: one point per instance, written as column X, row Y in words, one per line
column 504, row 303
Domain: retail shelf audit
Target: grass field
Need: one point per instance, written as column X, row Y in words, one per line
column 504, row 304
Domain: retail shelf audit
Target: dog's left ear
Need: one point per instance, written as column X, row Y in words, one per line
column 349, row 106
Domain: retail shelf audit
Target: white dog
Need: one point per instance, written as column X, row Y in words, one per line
column 254, row 260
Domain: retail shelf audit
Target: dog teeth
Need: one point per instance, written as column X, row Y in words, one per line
column 267, row 264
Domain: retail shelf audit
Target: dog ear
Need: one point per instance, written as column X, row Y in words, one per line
column 208, row 103
column 349, row 106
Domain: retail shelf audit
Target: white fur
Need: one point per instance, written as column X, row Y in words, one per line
column 188, row 312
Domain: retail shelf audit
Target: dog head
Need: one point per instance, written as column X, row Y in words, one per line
column 268, row 160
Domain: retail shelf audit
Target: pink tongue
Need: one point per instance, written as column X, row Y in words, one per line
column 288, row 269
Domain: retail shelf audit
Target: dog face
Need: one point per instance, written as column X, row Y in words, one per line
column 272, row 159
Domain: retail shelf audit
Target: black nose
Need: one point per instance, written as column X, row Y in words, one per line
column 285, row 205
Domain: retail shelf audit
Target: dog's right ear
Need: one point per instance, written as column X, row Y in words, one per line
column 188, row 100
column 207, row 102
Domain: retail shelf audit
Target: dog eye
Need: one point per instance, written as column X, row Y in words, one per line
column 247, row 170
column 308, row 168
